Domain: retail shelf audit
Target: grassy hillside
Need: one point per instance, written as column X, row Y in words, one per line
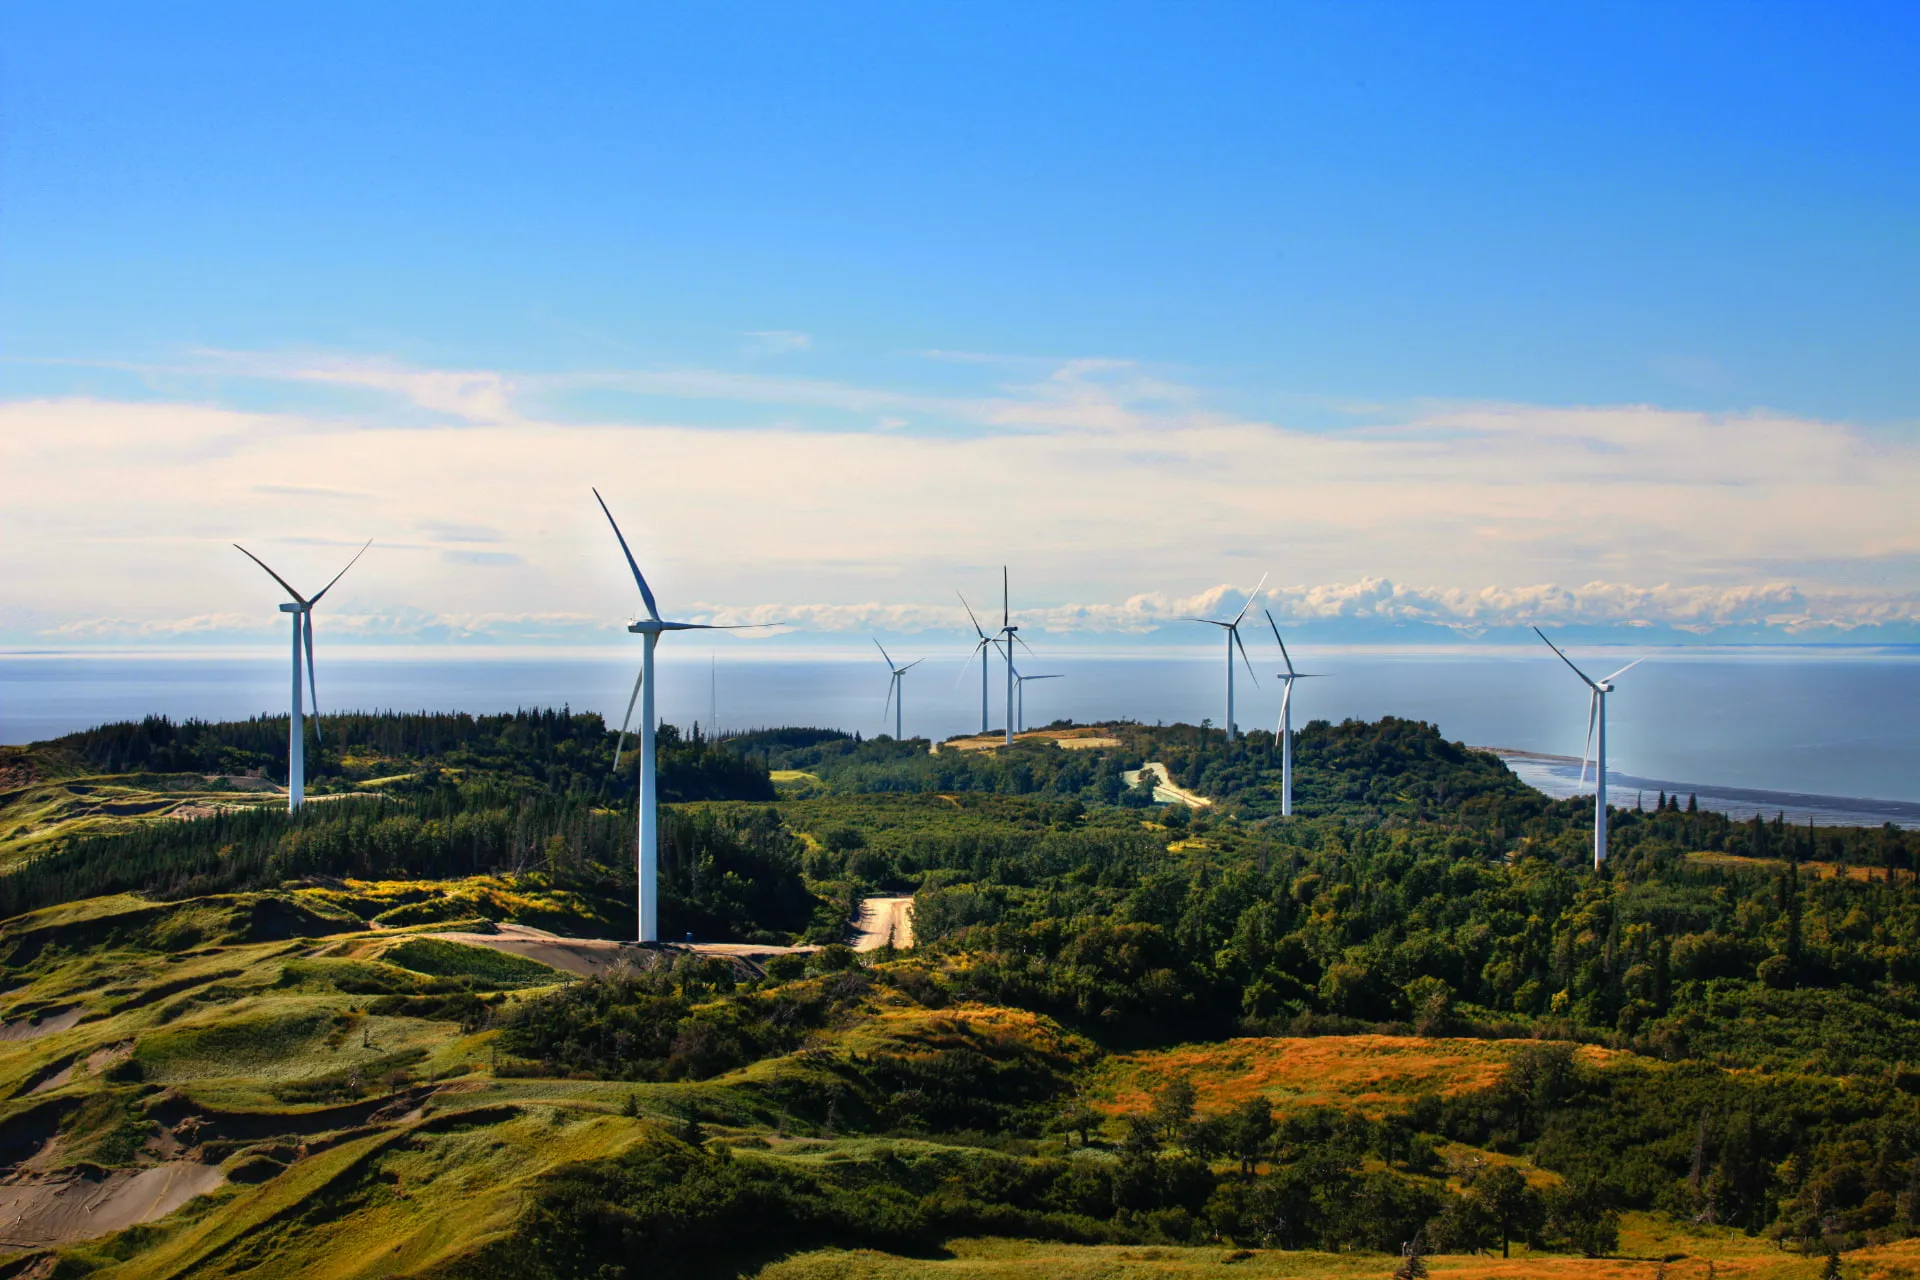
column 1133, row 1040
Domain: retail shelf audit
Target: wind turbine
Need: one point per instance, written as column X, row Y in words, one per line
column 896, row 690
column 1286, row 718
column 1008, row 635
column 650, row 628
column 981, row 647
column 1020, row 694
column 1596, row 718
column 1233, row 639
column 302, row 613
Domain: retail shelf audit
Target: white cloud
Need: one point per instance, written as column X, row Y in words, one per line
column 1096, row 480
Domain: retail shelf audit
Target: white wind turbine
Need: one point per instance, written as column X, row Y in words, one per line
column 1008, row 635
column 1233, row 639
column 649, row 627
column 896, row 691
column 1286, row 718
column 1596, row 719
column 981, row 647
column 302, row 612
column 1020, row 695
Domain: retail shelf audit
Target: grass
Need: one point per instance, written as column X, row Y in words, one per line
column 1643, row 1244
column 401, row 1201
column 232, row 1031
column 45, row 800
column 441, row 959
column 531, row 900
column 191, row 1009
column 1370, row 1073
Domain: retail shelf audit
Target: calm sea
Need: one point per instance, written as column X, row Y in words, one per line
column 1833, row 736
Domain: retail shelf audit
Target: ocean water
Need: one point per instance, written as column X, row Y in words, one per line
column 1817, row 733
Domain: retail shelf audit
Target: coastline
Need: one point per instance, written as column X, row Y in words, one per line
column 1559, row 777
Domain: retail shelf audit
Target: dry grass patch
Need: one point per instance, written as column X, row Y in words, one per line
column 1371, row 1073
column 912, row 1029
column 1774, row 866
column 1032, row 1260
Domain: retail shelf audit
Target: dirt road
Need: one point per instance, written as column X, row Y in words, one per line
column 590, row 956
column 881, row 920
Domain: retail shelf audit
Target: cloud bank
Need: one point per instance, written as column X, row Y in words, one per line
column 1122, row 498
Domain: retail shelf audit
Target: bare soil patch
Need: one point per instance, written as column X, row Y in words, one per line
column 40, row 1211
column 48, row 1024
column 590, row 957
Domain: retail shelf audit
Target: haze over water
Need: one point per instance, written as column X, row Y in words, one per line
column 1802, row 727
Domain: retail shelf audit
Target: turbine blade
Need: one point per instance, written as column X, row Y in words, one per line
column 719, row 626
column 646, row 592
column 1235, row 633
column 1212, row 622
column 313, row 694
column 1282, row 643
column 1286, row 700
column 1250, row 599
column 343, row 573
column 970, row 618
column 1563, row 657
column 1622, row 671
column 1023, row 643
column 1593, row 714
column 1006, row 600
column 270, row 573
column 627, row 719
column 883, row 653
column 911, row 665
column 1051, row 675
column 887, row 706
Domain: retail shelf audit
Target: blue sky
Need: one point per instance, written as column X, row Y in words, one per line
column 1608, row 310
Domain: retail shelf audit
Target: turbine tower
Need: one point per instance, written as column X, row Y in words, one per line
column 650, row 628
column 301, row 611
column 1232, row 630
column 1286, row 718
column 1020, row 694
column 1596, row 719
column 981, row 647
column 896, row 690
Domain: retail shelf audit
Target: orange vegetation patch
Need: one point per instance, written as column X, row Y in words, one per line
column 1897, row 1261
column 1373, row 1074
column 1773, row 866
column 1528, row 1266
column 1084, row 738
column 978, row 1026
